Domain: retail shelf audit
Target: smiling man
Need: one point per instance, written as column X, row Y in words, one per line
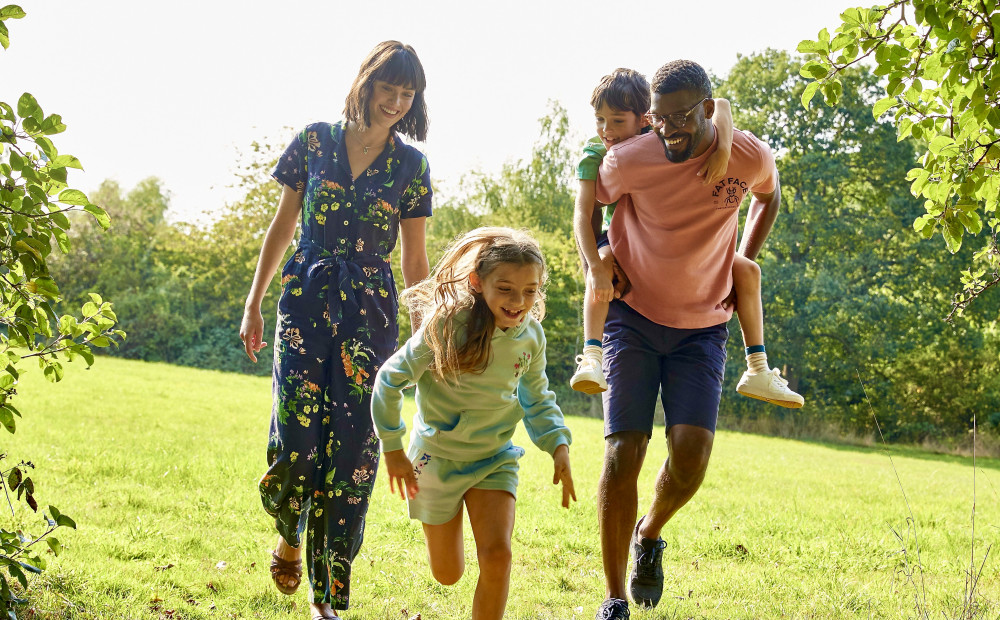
column 676, row 240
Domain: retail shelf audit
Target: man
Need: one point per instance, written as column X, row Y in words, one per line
column 675, row 239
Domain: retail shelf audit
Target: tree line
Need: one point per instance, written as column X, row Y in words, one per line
column 854, row 297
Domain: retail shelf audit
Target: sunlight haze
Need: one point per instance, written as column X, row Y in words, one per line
column 175, row 90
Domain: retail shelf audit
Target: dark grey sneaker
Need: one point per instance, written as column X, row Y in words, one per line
column 645, row 579
column 612, row 609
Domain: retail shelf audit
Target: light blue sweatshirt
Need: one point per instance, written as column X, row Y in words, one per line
column 472, row 417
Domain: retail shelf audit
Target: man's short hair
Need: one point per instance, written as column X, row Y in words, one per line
column 682, row 75
column 623, row 89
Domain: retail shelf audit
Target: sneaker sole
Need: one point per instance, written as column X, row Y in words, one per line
column 788, row 404
column 588, row 387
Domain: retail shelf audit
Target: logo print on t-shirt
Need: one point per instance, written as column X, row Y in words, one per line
column 729, row 193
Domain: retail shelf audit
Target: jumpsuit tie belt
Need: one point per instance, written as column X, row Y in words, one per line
column 340, row 275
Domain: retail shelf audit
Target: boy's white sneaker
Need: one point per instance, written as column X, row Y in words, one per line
column 589, row 376
column 770, row 387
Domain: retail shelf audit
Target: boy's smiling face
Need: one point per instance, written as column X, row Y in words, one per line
column 614, row 126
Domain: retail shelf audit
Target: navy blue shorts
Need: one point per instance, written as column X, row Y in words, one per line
column 643, row 358
column 602, row 239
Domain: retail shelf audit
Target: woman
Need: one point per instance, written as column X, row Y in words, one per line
column 354, row 184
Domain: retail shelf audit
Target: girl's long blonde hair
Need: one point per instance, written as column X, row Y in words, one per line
column 442, row 295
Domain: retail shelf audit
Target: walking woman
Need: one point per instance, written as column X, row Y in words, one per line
column 355, row 186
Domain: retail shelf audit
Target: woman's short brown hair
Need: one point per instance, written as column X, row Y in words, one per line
column 397, row 64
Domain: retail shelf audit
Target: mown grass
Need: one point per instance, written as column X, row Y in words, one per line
column 159, row 464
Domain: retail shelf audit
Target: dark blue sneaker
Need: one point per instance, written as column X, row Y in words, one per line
column 645, row 579
column 612, row 609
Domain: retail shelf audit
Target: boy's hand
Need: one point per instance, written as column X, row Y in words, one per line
column 560, row 462
column 401, row 474
column 620, row 280
column 599, row 277
column 730, row 300
column 715, row 167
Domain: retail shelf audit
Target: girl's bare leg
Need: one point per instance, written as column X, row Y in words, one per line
column 446, row 550
column 491, row 514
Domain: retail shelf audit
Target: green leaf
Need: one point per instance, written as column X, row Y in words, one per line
column 17, row 573
column 7, row 419
column 97, row 299
column 808, row 93
column 953, row 231
column 62, row 239
column 90, row 309
column 882, row 105
column 810, row 47
column 939, row 143
column 14, row 478
column 67, row 161
column 28, row 108
column 65, row 521
column 30, row 568
column 99, row 214
column 814, row 70
column 73, row 197
column 100, row 341
column 11, row 11
column 52, row 125
column 53, row 544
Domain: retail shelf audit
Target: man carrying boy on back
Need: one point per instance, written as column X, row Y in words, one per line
column 675, row 239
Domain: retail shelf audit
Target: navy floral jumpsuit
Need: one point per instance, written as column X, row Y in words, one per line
column 336, row 325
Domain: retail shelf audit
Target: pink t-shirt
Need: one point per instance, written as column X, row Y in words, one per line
column 676, row 238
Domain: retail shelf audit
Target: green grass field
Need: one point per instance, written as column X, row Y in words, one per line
column 158, row 465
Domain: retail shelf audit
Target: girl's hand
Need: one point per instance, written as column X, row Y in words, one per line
column 715, row 167
column 252, row 332
column 560, row 461
column 401, row 474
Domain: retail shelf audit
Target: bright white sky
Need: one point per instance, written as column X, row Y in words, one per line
column 175, row 89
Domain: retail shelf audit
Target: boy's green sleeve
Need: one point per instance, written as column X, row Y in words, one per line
column 542, row 417
column 593, row 153
column 400, row 371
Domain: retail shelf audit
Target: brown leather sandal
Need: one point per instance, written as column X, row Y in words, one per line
column 281, row 567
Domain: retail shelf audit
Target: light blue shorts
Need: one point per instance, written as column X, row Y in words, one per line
column 444, row 482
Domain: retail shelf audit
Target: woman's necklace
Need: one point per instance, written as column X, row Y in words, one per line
column 364, row 147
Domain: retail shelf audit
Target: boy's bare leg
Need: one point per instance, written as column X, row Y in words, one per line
column 749, row 308
column 491, row 513
column 595, row 313
column 446, row 550
column 759, row 381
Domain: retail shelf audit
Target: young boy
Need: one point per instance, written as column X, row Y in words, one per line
column 621, row 102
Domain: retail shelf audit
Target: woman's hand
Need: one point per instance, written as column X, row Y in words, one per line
column 252, row 332
column 560, row 462
column 401, row 474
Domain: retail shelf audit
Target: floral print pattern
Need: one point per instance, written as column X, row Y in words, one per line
column 338, row 300
column 522, row 364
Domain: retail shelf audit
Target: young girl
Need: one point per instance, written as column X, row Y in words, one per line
column 356, row 188
column 478, row 362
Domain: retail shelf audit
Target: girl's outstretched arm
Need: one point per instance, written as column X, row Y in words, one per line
column 560, row 462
